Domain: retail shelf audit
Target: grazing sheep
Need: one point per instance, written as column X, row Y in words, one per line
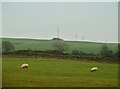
column 94, row 69
column 24, row 66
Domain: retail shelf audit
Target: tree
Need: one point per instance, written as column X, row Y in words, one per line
column 60, row 46
column 118, row 53
column 105, row 52
column 75, row 52
column 7, row 46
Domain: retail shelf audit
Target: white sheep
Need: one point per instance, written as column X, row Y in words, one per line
column 94, row 69
column 24, row 66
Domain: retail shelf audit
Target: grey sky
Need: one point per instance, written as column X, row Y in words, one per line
column 95, row 21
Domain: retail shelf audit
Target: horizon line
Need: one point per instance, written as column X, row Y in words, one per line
column 60, row 38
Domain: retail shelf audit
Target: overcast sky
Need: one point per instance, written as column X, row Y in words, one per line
column 91, row 21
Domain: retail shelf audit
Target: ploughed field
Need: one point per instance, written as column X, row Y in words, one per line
column 57, row 73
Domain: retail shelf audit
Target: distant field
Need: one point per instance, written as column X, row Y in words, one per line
column 88, row 47
column 57, row 73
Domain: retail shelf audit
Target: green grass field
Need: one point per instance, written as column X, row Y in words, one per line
column 88, row 47
column 0, row 71
column 57, row 73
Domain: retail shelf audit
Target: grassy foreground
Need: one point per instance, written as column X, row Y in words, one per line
column 57, row 73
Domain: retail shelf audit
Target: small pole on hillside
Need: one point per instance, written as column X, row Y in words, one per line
column 82, row 38
column 76, row 36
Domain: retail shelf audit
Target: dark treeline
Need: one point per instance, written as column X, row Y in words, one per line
column 60, row 47
column 56, row 54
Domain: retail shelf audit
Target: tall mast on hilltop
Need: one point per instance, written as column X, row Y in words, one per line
column 57, row 31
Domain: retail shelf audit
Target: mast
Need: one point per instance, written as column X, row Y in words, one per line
column 57, row 31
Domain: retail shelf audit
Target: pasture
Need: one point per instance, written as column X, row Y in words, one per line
column 57, row 73
column 87, row 47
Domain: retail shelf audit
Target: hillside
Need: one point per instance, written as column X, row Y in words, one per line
column 88, row 47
